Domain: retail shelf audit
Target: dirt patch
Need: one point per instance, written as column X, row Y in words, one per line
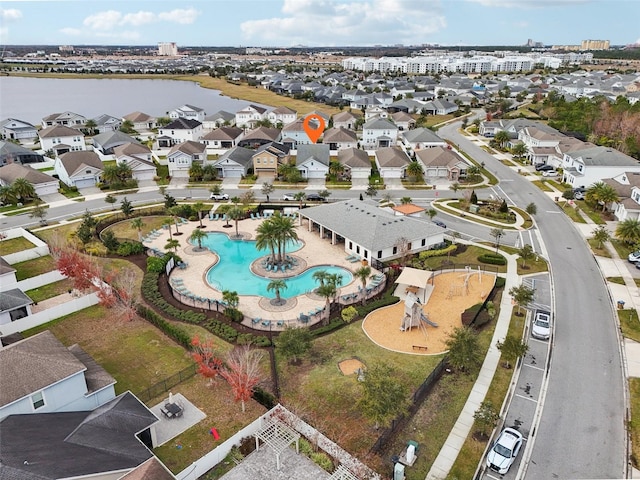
column 449, row 298
column 350, row 366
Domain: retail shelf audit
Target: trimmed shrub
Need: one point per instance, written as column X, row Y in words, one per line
column 437, row 253
column 500, row 282
column 335, row 324
column 155, row 264
column 266, row 400
column 130, row 248
column 173, row 331
column 492, row 259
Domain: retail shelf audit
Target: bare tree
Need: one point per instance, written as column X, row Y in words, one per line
column 243, row 372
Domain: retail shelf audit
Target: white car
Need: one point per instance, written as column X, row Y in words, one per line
column 504, row 450
column 634, row 257
column 550, row 173
column 219, row 196
column 541, row 328
column 288, row 196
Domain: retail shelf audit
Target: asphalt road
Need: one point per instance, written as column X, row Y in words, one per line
column 581, row 432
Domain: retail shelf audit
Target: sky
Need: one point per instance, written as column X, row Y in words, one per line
column 286, row 23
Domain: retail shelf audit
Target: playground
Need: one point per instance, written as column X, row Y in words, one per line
column 408, row 326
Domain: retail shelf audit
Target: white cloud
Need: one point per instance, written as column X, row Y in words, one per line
column 139, row 18
column 527, row 3
column 180, row 15
column 338, row 22
column 103, row 20
column 71, row 31
column 10, row 14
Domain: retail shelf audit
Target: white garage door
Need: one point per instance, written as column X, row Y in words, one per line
column 232, row 173
column 315, row 174
column 140, row 176
column 85, row 182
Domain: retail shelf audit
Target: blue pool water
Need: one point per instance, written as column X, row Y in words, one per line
column 232, row 271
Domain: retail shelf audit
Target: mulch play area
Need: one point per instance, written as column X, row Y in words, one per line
column 448, row 299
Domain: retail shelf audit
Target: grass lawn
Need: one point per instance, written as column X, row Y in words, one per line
column 472, row 450
column 123, row 230
column 623, row 249
column 542, row 185
column 601, row 251
column 573, row 214
column 592, row 213
column 630, row 326
column 32, row 268
column 51, row 290
column 14, row 245
column 634, row 394
column 468, row 256
column 318, row 388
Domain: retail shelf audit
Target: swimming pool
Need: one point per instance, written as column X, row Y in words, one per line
column 232, row 271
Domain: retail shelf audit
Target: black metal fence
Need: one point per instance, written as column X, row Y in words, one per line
column 168, row 383
column 418, row 397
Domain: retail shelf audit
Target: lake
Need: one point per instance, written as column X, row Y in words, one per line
column 31, row 99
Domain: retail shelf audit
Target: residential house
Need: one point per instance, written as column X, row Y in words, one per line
column 375, row 111
column 188, row 112
column 421, row 138
column 14, row 129
column 219, row 119
column 14, row 153
column 268, row 157
column 391, row 162
column 627, row 186
column 588, row 166
column 281, row 116
column 42, row 183
column 250, row 115
column 105, row 143
column 178, row 131
column 152, row 469
column 356, row 163
column 403, row 120
column 295, row 134
column 379, row 133
column 442, row 162
column 61, row 139
column 65, row 119
column 258, row 137
column 346, row 120
column 141, row 121
column 106, row 443
column 371, row 232
column 14, row 305
column 439, row 107
column 235, row 163
column 223, row 137
column 106, row 123
column 8, row 278
column 340, row 138
column 312, row 161
column 183, row 155
column 78, row 169
column 138, row 158
column 41, row 375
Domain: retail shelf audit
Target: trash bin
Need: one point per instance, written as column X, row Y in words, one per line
column 620, row 304
column 557, row 199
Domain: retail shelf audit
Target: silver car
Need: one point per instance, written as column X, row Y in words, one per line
column 504, row 450
column 541, row 328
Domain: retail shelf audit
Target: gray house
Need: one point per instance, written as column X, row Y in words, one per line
column 15, row 129
column 12, row 153
column 107, row 141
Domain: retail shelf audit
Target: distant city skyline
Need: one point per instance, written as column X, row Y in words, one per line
column 316, row 23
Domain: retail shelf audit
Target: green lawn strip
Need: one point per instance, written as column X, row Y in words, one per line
column 491, row 178
column 473, row 449
column 123, row 230
column 617, row 280
column 634, row 398
column 13, row 245
column 594, row 214
column 49, row 291
column 598, row 250
column 534, row 265
column 456, row 213
column 465, row 255
column 318, row 388
column 542, row 186
column 32, row 268
column 623, row 249
column 528, row 221
column 630, row 326
column 573, row 214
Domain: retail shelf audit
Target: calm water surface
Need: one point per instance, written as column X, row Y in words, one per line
column 31, row 99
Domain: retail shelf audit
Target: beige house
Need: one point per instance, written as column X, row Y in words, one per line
column 268, row 157
column 442, row 162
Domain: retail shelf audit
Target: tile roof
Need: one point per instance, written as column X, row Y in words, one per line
column 33, row 364
column 138, row 117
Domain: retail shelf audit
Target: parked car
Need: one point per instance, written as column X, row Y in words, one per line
column 504, row 450
column 550, row 173
column 541, row 328
column 541, row 167
column 634, row 257
column 314, row 197
column 439, row 223
column 288, row 196
column 219, row 196
column 579, row 193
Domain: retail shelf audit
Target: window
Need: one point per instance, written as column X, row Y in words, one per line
column 87, row 172
column 37, row 399
column 350, row 245
column 379, row 253
column 366, row 254
column 358, row 249
column 257, row 161
column 395, row 250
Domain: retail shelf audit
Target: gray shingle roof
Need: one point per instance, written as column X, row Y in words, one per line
column 368, row 225
column 354, row 158
column 59, row 131
column 13, row 171
column 182, row 124
column 340, row 134
column 189, row 147
column 603, row 156
column 223, row 133
column 423, row 135
column 74, row 161
column 391, row 157
column 12, row 299
column 5, row 267
column 33, row 364
column 96, row 377
column 319, row 151
column 239, row 155
column 110, row 139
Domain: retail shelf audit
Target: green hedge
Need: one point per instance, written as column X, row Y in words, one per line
column 437, row 253
column 152, row 294
column 173, row 331
column 492, row 258
column 386, row 299
column 335, row 324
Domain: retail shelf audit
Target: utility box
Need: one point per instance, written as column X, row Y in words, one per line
column 398, row 472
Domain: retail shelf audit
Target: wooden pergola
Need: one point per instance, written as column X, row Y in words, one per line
column 278, row 436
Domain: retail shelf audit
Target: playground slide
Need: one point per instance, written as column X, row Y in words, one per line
column 427, row 321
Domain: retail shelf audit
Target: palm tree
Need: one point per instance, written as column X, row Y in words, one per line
column 519, row 150
column 199, row 207
column 629, row 231
column 197, row 236
column 601, row 193
column 526, row 253
column 168, row 222
column 110, row 174
column 473, row 173
column 414, row 170
column 328, row 291
column 23, row 189
column 172, row 245
column 137, row 224
column 363, row 273
column 277, row 285
column 235, row 213
column 196, row 172
column 336, row 168
column 285, row 232
column 405, row 200
column 455, row 186
column 7, row 195
column 90, row 127
column 501, row 138
column 320, row 276
column 231, row 298
column 601, row 235
column 299, row 197
column 266, row 237
column 175, row 213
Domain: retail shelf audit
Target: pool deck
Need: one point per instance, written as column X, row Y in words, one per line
column 316, row 251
